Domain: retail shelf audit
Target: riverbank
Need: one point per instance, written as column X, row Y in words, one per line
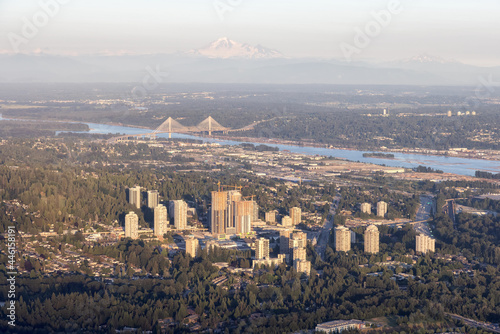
column 404, row 158
column 490, row 155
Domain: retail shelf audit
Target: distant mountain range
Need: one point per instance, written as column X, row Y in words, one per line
column 227, row 61
column 225, row 48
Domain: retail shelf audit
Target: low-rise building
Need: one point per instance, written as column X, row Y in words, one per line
column 338, row 326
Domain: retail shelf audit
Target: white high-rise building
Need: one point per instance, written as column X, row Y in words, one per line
column 261, row 249
column 132, row 225
column 342, row 239
column 161, row 221
column 424, row 244
column 381, row 209
column 153, row 199
column 134, row 196
column 366, row 208
column 372, row 237
column 178, row 211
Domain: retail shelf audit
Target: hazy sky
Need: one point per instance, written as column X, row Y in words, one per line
column 461, row 29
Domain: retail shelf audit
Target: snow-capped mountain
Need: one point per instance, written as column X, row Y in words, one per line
column 225, row 48
column 426, row 59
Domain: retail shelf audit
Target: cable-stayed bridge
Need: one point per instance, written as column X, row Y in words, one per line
column 208, row 126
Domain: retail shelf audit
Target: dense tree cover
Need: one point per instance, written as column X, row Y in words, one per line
column 480, row 203
column 487, row 175
column 334, row 115
column 278, row 298
column 351, row 129
column 477, row 238
column 23, row 129
column 399, row 206
column 423, row 169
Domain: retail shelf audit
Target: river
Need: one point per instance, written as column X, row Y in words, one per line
column 461, row 166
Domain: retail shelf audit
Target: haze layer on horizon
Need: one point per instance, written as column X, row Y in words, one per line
column 462, row 30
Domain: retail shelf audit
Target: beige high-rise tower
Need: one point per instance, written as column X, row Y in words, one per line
column 161, row 221
column 342, row 239
column 132, row 225
column 243, row 217
column 178, row 210
column 372, row 237
column 192, row 245
column 366, row 208
column 153, row 199
column 271, row 216
column 134, row 196
column 223, row 211
column 218, row 212
column 296, row 215
column 424, row 244
column 381, row 209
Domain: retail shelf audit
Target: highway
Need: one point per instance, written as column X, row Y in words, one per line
column 475, row 323
column 323, row 235
column 423, row 215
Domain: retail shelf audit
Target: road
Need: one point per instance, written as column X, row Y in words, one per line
column 421, row 225
column 475, row 323
column 324, row 234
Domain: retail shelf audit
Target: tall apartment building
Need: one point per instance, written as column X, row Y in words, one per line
column 372, row 237
column 255, row 215
column 296, row 215
column 153, row 199
column 381, row 209
column 160, row 221
column 285, row 241
column 299, row 253
column 424, row 244
column 218, row 212
column 286, row 221
column 298, row 239
column 262, row 249
column 134, row 196
column 271, row 216
column 342, row 239
column 302, row 266
column 233, row 196
column 366, row 208
column 223, row 211
column 192, row 245
column 178, row 211
column 243, row 217
column 131, row 225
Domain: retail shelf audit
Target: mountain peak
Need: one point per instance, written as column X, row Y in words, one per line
column 227, row 48
column 426, row 59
